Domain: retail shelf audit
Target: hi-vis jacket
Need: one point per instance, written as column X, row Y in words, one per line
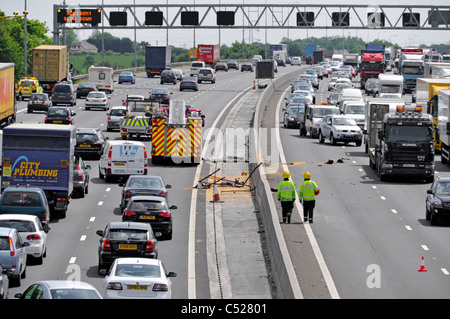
column 286, row 191
column 308, row 190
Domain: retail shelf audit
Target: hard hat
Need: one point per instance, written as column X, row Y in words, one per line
column 286, row 175
column 307, row 175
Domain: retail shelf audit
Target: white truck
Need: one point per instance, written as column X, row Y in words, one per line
column 356, row 110
column 444, row 124
column 280, row 57
column 102, row 77
column 390, row 86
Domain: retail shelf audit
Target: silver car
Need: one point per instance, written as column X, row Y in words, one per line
column 115, row 117
column 13, row 255
column 60, row 289
column 31, row 231
column 97, row 99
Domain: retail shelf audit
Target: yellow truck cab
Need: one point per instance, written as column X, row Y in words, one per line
column 27, row 86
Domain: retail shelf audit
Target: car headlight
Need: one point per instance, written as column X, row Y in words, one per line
column 437, row 202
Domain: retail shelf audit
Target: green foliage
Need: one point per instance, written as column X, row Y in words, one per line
column 12, row 41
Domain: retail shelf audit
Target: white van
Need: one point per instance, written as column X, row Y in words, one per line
column 350, row 95
column 102, row 77
column 195, row 67
column 122, row 159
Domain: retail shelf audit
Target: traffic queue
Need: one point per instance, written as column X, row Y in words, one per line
column 45, row 167
column 400, row 135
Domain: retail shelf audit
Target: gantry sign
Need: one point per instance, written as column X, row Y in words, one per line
column 252, row 16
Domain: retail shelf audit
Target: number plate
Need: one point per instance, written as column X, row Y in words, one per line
column 85, row 145
column 147, row 217
column 127, row 246
column 409, row 165
column 57, row 121
column 137, row 287
column 119, row 164
column 95, row 101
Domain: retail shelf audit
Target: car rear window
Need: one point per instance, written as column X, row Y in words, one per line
column 146, row 183
column 86, row 137
column 197, row 65
column 57, row 111
column 21, row 199
column 20, row 225
column 118, row 112
column 38, row 97
column 96, row 95
column 4, row 243
column 127, row 234
column 61, row 89
column 132, row 270
column 145, row 205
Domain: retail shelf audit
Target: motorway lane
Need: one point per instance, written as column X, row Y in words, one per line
column 73, row 243
column 369, row 231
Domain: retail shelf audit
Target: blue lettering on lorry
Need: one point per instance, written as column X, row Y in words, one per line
column 40, row 155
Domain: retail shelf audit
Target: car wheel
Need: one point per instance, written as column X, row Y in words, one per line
column 434, row 219
column 332, row 140
column 321, row 138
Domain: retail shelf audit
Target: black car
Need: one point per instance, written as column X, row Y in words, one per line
column 153, row 210
column 290, row 114
column 125, row 239
column 143, row 185
column 246, row 66
column 161, row 95
column 168, row 76
column 64, row 93
column 39, row 102
column 233, row 65
column 438, row 201
column 90, row 142
column 80, row 177
column 84, row 88
column 59, row 115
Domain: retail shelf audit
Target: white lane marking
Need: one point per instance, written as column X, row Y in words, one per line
column 83, row 238
column 445, row 271
column 393, row 211
column 193, row 208
column 383, row 198
column 92, row 219
column 72, row 260
column 424, row 247
column 408, row 227
column 100, row 203
column 315, row 246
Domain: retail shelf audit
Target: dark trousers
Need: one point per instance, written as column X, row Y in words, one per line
column 286, row 208
column 308, row 208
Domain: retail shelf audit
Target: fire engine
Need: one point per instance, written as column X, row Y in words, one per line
column 177, row 133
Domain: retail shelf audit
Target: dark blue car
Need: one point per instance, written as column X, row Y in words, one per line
column 189, row 84
column 127, row 76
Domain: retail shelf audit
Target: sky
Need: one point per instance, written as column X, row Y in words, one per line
column 42, row 10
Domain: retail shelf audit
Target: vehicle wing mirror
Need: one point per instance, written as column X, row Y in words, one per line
column 429, row 191
column 173, row 207
column 99, row 232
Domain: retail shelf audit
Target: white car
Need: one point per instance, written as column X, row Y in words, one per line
column 137, row 278
column 31, row 231
column 340, row 128
column 97, row 99
column 59, row 289
column 304, row 93
column 296, row 60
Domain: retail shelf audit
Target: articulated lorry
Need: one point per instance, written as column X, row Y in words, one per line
column 40, row 155
column 444, row 124
column 411, row 67
column 7, row 95
column 390, row 85
column 399, row 142
column 427, row 91
column 372, row 62
column 208, row 53
column 50, row 65
column 157, row 59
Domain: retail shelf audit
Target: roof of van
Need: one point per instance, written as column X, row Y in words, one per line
column 352, row 92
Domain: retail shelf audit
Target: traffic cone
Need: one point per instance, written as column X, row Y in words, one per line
column 216, row 196
column 422, row 266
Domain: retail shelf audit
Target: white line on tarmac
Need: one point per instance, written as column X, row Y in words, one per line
column 315, row 246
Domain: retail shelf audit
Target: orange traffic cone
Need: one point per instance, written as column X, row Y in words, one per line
column 216, row 196
column 422, row 266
